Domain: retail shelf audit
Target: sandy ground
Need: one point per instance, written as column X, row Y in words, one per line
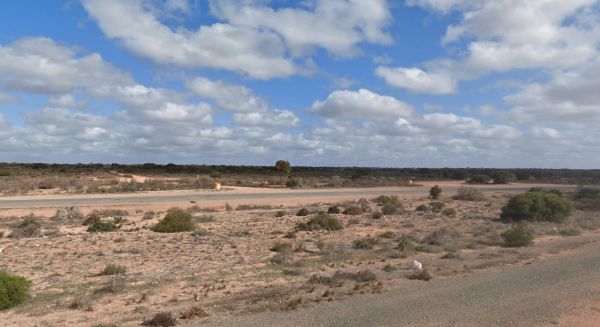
column 226, row 268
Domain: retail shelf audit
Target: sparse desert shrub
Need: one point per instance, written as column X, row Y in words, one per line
column 293, row 182
column 103, row 226
column 518, row 235
column 91, row 219
column 284, row 256
column 106, row 325
column 422, row 274
column 294, row 304
column 113, row 269
column 377, row 215
column 537, row 206
column 479, row 179
column 29, row 227
column 390, row 209
column 389, row 268
column 334, row 251
column 302, row 212
column 437, row 206
column 406, row 245
column 353, row 211
column 388, row 234
column 321, row 221
column 570, row 232
column 279, row 246
column 588, row 198
column 176, row 220
column 14, row 290
column 469, row 194
column 385, row 199
column 365, row 243
column 422, row 207
column 280, row 213
column 441, row 236
column 4, row 173
column 449, row 212
column 161, row 319
column 149, row 215
column 333, row 210
column 435, row 192
column 194, row 312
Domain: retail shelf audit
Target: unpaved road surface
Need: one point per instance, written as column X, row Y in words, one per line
column 548, row 292
column 246, row 195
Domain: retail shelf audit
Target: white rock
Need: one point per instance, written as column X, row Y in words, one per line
column 416, row 265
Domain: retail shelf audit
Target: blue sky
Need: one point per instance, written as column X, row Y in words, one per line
column 432, row 83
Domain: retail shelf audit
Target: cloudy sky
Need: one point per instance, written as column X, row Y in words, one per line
column 432, row 83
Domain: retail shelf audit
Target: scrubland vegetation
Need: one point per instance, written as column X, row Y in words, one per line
column 122, row 267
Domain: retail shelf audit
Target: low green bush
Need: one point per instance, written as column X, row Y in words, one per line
column 449, row 212
column 365, row 243
column 176, row 221
column 587, row 198
column 321, row 221
column 333, row 210
column 435, row 192
column 103, row 226
column 385, row 199
column 302, row 212
column 537, row 206
column 469, row 194
column 353, row 211
column 14, row 290
column 517, row 236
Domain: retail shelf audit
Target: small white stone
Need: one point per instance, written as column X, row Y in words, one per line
column 416, row 265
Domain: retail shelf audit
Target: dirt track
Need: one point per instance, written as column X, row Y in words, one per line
column 245, row 195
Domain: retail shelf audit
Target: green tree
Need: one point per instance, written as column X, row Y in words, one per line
column 284, row 167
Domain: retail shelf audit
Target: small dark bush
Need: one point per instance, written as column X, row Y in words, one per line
column 333, row 210
column 406, row 245
column 302, row 212
column 162, row 319
column 100, row 226
column 437, row 206
column 469, row 194
column 588, row 199
column 176, row 220
column 364, row 244
column 422, row 274
column 292, row 182
column 537, row 206
column 321, row 221
column 280, row 213
column 377, row 215
column 449, row 212
column 516, row 236
column 390, row 209
column 389, row 268
column 29, row 227
column 384, row 199
column 91, row 219
column 435, row 192
column 388, row 234
column 422, row 207
column 353, row 211
column 149, row 215
column 479, row 179
column 14, row 290
column 113, row 269
column 279, row 246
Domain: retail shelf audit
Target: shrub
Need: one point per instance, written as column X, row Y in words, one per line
column 422, row 274
column 479, row 179
column 469, row 194
column 435, row 192
column 279, row 246
column 390, row 209
column 384, row 199
column 333, row 210
column 516, row 236
column 588, row 198
column 321, row 221
column 91, row 219
column 29, row 227
column 280, row 213
column 364, row 244
column 437, row 206
column 149, row 215
column 162, row 319
column 14, row 290
column 449, row 212
column 292, row 182
column 389, row 268
column 422, row 207
column 537, row 206
column 388, row 234
column 406, row 245
column 176, row 220
column 503, row 177
column 112, row 269
column 101, row 226
column 377, row 215
column 353, row 211
column 302, row 212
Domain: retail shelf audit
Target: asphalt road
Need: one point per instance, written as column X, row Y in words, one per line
column 318, row 195
column 531, row 295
